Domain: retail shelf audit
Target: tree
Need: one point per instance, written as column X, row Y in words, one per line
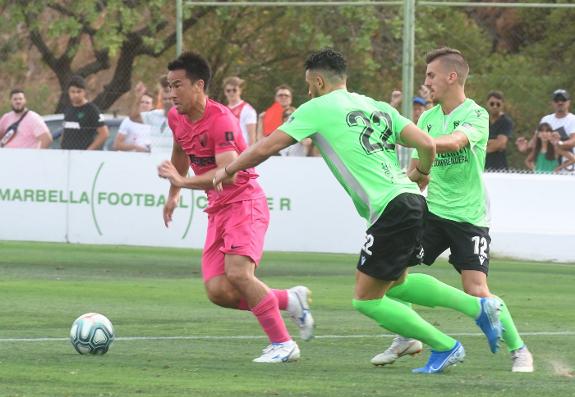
column 86, row 37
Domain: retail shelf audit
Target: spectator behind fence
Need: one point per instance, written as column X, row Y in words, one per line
column 233, row 87
column 299, row 149
column 419, row 106
column 500, row 130
column 271, row 118
column 23, row 128
column 544, row 156
column 561, row 121
column 157, row 119
column 84, row 128
column 133, row 135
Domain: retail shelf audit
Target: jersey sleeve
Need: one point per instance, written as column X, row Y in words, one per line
column 475, row 126
column 95, row 116
column 302, row 123
column 224, row 134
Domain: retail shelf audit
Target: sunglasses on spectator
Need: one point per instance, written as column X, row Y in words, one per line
column 283, row 95
column 231, row 89
column 494, row 104
column 545, row 130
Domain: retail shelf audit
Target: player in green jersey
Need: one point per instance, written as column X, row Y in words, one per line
column 457, row 200
column 357, row 136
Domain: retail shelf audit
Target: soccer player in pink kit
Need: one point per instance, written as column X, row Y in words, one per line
column 207, row 136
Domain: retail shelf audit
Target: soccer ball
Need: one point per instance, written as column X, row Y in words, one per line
column 91, row 333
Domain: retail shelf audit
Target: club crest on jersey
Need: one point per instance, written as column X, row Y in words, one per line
column 229, row 136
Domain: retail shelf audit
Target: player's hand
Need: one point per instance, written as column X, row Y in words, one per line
column 168, row 171
column 169, row 207
column 221, row 177
column 417, row 177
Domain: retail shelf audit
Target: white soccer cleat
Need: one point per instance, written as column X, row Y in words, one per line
column 299, row 299
column 399, row 347
column 522, row 360
column 279, row 353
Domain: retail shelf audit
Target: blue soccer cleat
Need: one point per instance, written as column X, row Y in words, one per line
column 439, row 361
column 488, row 321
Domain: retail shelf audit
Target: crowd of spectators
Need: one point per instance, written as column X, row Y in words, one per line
column 548, row 149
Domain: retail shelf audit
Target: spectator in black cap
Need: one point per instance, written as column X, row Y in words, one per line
column 500, row 130
column 419, row 106
column 84, row 128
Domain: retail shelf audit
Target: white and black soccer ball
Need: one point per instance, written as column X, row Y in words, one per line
column 92, row 333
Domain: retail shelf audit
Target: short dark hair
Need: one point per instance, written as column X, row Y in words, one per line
column 195, row 65
column 451, row 57
column 495, row 94
column 329, row 60
column 16, row 91
column 77, row 81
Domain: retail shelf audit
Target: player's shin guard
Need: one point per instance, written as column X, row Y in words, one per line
column 510, row 333
column 404, row 321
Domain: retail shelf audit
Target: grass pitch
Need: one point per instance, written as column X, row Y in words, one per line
column 173, row 342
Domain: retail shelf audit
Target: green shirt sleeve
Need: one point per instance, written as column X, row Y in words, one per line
column 475, row 126
column 398, row 122
column 301, row 123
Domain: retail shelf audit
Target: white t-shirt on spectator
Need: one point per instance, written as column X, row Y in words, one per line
column 248, row 116
column 160, row 133
column 565, row 126
column 135, row 133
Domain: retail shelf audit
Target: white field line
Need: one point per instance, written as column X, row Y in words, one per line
column 212, row 337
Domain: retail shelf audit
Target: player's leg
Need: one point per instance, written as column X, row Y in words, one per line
column 427, row 291
column 475, row 283
column 390, row 247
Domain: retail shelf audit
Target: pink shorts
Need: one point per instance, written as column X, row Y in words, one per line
column 236, row 229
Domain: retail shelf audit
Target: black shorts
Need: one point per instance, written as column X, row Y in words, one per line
column 469, row 244
column 394, row 242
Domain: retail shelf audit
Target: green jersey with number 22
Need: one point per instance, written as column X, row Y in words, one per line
column 356, row 136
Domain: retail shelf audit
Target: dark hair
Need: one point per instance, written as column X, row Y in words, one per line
column 329, row 60
column 196, row 67
column 550, row 155
column 16, row 91
column 164, row 83
column 451, row 57
column 495, row 94
column 77, row 81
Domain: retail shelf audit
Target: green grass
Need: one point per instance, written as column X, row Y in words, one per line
column 158, row 292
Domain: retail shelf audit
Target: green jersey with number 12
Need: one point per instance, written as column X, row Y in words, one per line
column 356, row 136
column 456, row 190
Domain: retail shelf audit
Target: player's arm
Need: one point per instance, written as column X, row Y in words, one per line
column 453, row 142
column 254, row 155
column 413, row 137
column 498, row 144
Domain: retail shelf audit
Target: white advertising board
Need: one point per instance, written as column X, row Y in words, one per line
column 117, row 198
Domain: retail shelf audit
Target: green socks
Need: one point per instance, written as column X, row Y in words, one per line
column 404, row 321
column 510, row 334
column 425, row 290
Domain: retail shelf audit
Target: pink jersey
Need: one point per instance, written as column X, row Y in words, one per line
column 218, row 131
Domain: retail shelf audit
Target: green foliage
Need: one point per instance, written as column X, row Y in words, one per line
column 266, row 46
